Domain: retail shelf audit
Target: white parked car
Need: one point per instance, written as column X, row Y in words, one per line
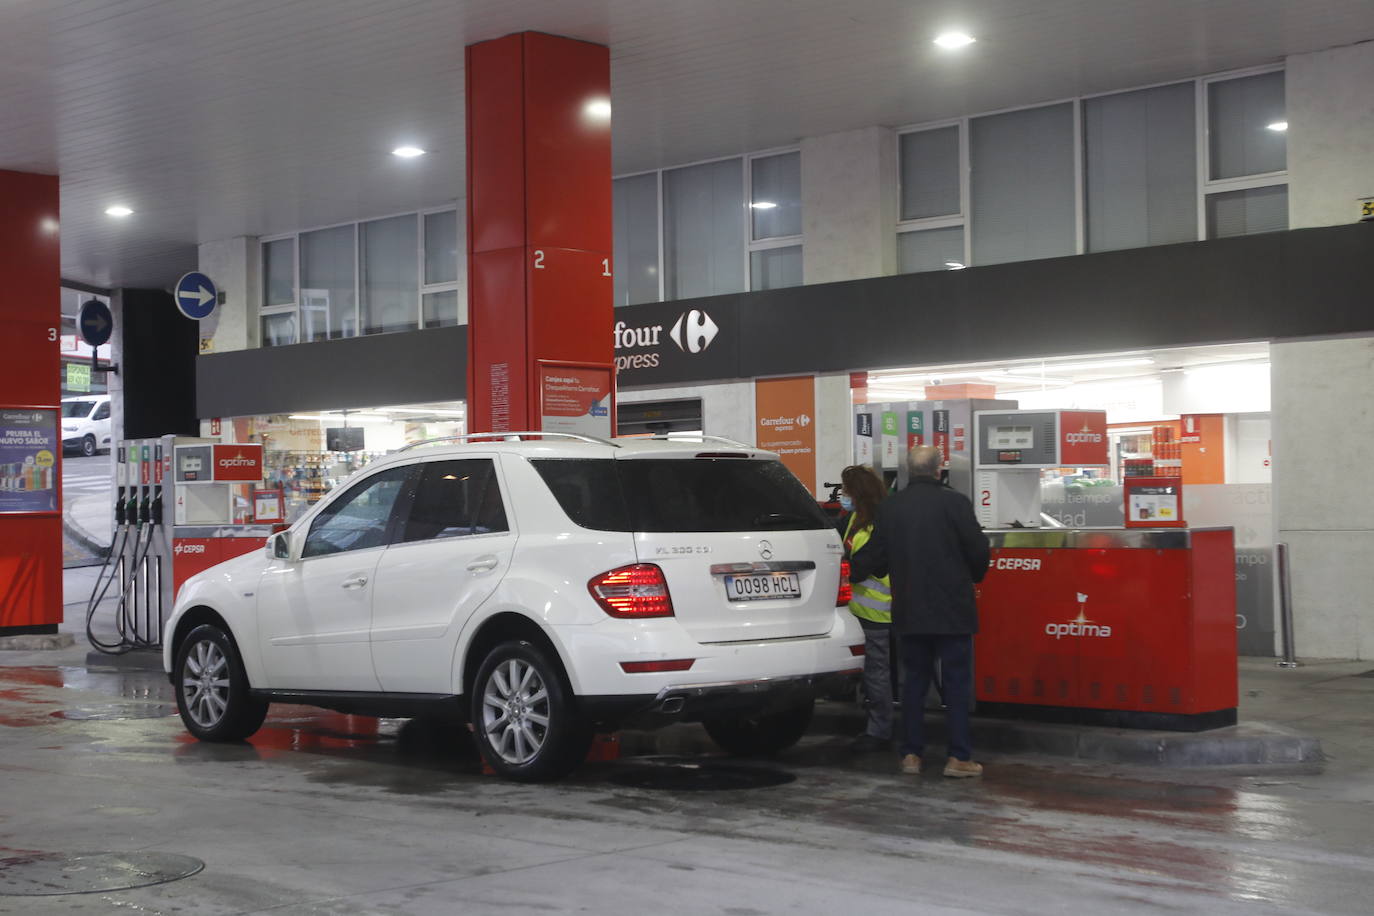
column 540, row 589
column 86, row 423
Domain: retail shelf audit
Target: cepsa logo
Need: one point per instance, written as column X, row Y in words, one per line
column 180, row 548
column 1023, row 563
column 1080, row 625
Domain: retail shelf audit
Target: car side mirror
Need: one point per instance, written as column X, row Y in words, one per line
column 279, row 546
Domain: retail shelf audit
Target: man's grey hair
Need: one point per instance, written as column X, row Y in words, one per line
column 924, row 461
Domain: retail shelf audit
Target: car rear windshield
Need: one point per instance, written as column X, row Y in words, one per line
column 680, row 494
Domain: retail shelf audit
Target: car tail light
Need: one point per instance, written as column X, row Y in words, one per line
column 633, row 592
column 672, row 664
column 856, row 650
column 846, row 591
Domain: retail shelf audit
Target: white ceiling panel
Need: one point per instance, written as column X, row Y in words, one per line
column 215, row 118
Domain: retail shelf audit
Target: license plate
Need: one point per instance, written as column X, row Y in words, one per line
column 767, row 585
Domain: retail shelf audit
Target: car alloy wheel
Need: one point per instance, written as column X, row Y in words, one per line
column 88, row 446
column 205, row 682
column 515, row 711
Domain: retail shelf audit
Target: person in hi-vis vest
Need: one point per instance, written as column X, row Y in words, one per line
column 861, row 492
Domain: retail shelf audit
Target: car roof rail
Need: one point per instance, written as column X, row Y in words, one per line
column 510, row 436
column 700, row 437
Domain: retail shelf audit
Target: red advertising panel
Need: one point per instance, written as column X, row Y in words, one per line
column 784, row 415
column 238, row 462
column 1083, row 438
column 1110, row 628
column 576, row 398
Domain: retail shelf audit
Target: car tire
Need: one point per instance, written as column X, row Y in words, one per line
column 212, row 690
column 524, row 715
column 88, row 448
column 760, row 735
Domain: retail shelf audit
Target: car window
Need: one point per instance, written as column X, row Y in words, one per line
column 359, row 518
column 687, row 494
column 102, row 412
column 76, row 409
column 453, row 499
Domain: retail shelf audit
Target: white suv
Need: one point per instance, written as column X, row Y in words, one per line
column 540, row 590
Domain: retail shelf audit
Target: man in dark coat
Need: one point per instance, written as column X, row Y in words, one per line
column 928, row 540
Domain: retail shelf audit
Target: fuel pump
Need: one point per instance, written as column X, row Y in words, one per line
column 1014, row 446
column 182, row 505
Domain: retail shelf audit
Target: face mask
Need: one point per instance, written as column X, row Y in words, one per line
column 846, row 503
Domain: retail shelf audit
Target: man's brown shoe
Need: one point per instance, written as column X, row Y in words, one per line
column 911, row 764
column 963, row 769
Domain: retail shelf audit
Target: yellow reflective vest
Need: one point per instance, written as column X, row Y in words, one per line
column 872, row 598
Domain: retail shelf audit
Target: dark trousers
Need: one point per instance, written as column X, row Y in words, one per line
column 956, row 667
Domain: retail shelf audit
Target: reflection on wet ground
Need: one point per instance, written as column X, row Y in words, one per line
column 1234, row 836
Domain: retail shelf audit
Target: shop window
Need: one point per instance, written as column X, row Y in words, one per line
column 328, row 303
column 1140, row 155
column 1022, row 185
column 635, row 230
column 703, row 234
column 929, row 173
column 279, row 330
column 1246, row 126
column 279, row 272
column 930, row 249
column 441, row 309
column 359, row 519
column 455, row 499
column 775, row 196
column 775, row 268
column 390, row 274
column 1247, row 211
column 441, row 247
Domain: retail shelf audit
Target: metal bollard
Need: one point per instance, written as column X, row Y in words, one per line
column 1290, row 652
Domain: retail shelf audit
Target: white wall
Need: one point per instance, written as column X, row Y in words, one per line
column 1330, row 134
column 233, row 265
column 1323, row 499
column 834, row 435
column 849, row 205
column 1239, row 388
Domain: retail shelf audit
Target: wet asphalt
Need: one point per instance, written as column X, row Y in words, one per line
column 328, row 813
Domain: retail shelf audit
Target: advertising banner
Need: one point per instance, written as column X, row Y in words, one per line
column 237, row 462
column 666, row 342
column 575, row 398
column 29, row 445
column 784, row 410
column 1083, row 438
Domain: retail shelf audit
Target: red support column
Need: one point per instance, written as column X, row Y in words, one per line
column 30, row 394
column 539, row 220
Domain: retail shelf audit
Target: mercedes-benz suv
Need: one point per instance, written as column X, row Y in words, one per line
column 541, row 590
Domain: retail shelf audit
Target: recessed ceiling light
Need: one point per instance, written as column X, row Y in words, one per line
column 763, row 205
column 407, row 152
column 953, row 40
column 955, row 265
column 118, row 210
column 1277, row 126
column 599, row 108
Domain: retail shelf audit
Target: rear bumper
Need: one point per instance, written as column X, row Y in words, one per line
column 694, row 702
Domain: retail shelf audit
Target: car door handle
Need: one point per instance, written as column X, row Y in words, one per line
column 483, row 564
column 355, row 582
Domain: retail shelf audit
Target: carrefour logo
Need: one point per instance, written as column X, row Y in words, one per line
column 693, row 331
column 1079, row 626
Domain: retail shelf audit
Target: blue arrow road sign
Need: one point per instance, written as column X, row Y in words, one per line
column 195, row 295
column 95, row 321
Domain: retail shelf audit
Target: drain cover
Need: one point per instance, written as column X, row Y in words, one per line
column 698, row 777
column 118, row 711
column 51, row 873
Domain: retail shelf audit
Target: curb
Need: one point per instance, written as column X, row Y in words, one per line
column 1246, row 744
column 81, row 535
column 31, row 642
column 133, row 660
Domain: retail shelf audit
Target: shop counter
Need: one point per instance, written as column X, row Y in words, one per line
column 1132, row 628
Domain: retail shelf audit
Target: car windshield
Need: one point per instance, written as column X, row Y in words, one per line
column 72, row 409
column 689, row 494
